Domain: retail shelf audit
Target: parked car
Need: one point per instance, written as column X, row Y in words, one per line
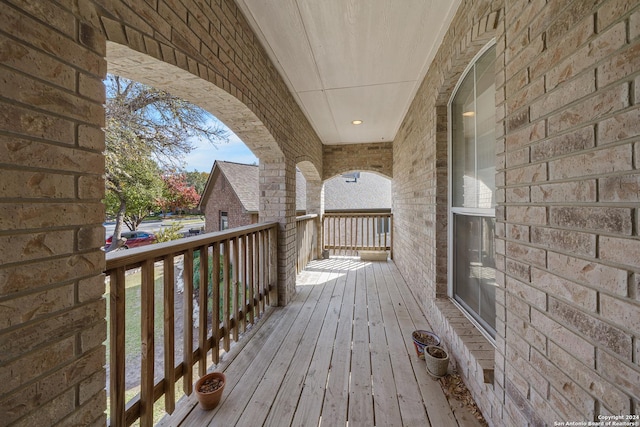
column 134, row 239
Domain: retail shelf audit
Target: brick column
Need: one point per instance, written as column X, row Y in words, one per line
column 278, row 203
column 52, row 320
column 315, row 205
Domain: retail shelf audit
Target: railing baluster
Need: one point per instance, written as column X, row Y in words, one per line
column 148, row 345
column 335, row 242
column 263, row 270
column 250, row 280
column 215, row 309
column 236, row 288
column 242, row 273
column 169, row 336
column 391, row 236
column 258, row 270
column 117, row 356
column 226, row 295
column 355, row 243
column 204, row 309
column 187, row 316
column 273, row 264
column 385, row 233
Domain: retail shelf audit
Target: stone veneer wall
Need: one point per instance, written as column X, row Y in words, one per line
column 568, row 178
column 51, row 166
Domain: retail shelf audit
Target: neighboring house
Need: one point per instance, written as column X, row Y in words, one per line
column 230, row 198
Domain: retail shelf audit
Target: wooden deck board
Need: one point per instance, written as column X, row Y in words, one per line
column 289, row 367
column 340, row 352
column 238, row 400
column 410, row 318
column 285, row 403
column 360, row 392
column 386, row 394
column 313, row 388
column 336, row 398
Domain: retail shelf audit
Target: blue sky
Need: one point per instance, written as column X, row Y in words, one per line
column 202, row 157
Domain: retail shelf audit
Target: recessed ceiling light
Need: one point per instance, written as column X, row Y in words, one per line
column 356, row 122
column 469, row 114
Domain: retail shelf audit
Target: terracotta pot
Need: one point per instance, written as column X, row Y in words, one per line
column 209, row 399
column 438, row 364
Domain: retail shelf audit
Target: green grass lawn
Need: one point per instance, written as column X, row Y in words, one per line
column 133, row 323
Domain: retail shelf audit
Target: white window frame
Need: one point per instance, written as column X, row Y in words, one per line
column 480, row 212
column 224, row 215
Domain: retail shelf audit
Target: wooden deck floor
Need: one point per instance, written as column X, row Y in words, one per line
column 340, row 354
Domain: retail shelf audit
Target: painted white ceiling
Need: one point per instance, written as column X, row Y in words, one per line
column 348, row 60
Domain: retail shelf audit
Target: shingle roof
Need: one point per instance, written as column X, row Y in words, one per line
column 244, row 180
column 369, row 192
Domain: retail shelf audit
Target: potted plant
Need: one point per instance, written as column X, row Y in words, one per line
column 421, row 339
column 209, row 389
column 437, row 360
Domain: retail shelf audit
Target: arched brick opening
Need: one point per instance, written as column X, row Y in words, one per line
column 208, row 54
column 126, row 62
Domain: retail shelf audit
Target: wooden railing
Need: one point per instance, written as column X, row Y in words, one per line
column 306, row 240
column 348, row 233
column 241, row 281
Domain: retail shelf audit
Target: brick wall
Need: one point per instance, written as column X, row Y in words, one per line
column 51, row 166
column 222, row 198
column 373, row 157
column 567, row 244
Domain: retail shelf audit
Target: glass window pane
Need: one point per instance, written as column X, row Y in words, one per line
column 473, row 137
column 463, row 145
column 485, row 129
column 474, row 267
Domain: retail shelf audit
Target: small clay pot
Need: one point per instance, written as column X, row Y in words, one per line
column 209, row 390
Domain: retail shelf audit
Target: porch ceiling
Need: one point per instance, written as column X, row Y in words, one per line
column 347, row 60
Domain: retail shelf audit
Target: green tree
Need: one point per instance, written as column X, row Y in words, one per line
column 177, row 194
column 197, row 180
column 134, row 190
column 146, row 127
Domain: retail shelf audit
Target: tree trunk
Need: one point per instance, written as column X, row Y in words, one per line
column 117, row 241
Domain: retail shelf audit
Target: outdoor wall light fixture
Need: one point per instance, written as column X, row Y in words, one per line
column 468, row 114
column 356, row 122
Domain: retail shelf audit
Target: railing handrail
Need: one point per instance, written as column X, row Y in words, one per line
column 357, row 214
column 306, row 217
column 132, row 257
